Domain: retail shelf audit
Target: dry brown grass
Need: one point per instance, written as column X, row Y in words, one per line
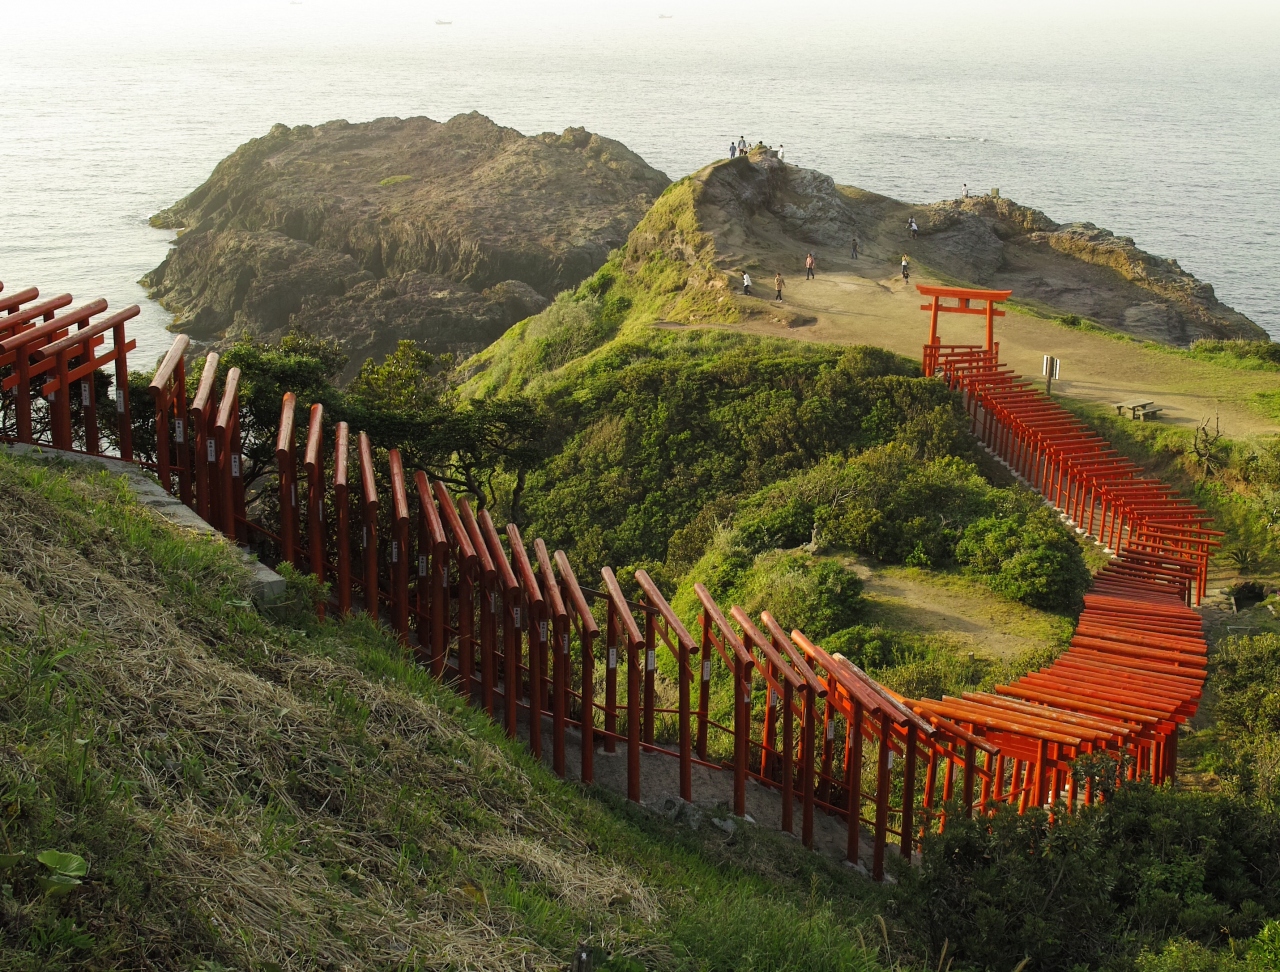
column 303, row 814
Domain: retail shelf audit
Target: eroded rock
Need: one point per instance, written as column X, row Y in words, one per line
column 446, row 233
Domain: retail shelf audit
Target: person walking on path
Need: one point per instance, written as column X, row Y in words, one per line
column 746, row 283
column 906, row 268
column 855, row 248
column 808, row 267
column 911, row 225
column 778, row 284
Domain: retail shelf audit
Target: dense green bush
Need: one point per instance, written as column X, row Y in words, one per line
column 647, row 431
column 1243, row 746
column 818, row 596
column 1262, row 954
column 1024, row 553
column 894, row 504
column 1093, row 889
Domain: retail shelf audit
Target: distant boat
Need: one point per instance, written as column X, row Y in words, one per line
column 444, row 23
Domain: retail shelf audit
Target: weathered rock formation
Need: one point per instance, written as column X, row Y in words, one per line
column 1106, row 278
column 754, row 205
column 445, row 233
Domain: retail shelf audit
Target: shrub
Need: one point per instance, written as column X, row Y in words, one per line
column 775, row 518
column 1023, row 552
column 818, row 596
column 1096, row 887
column 893, row 506
column 1243, row 747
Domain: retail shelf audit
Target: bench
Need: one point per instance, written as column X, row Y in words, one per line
column 1133, row 406
column 1142, row 414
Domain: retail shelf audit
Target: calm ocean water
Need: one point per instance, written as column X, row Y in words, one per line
column 1168, row 131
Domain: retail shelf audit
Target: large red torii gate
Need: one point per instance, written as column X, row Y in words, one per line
column 964, row 298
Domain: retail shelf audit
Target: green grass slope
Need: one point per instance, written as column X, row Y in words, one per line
column 259, row 794
column 665, row 273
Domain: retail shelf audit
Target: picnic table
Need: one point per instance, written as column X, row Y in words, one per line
column 1138, row 408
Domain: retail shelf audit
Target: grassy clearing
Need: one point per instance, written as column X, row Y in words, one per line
column 922, row 588
column 254, row 793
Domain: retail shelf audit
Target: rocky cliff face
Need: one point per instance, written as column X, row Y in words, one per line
column 756, row 205
column 445, row 233
column 996, row 242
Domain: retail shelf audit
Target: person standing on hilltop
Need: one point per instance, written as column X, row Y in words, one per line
column 855, row 248
column 906, row 269
column 782, row 156
column 911, row 225
column 742, row 145
column 733, row 149
column 746, row 283
column 808, row 267
column 965, row 191
column 778, row 284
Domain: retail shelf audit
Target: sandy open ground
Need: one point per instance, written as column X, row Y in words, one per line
column 843, row 306
column 846, row 307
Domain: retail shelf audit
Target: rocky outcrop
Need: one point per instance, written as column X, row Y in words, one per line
column 760, row 213
column 993, row 241
column 446, row 233
column 765, row 200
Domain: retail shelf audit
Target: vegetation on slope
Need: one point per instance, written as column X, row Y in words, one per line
column 1153, row 877
column 1237, row 481
column 254, row 794
column 666, row 272
column 761, row 468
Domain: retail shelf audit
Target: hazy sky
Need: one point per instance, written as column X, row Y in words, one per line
column 179, row 23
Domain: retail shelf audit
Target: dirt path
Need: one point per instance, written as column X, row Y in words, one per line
column 845, row 305
column 959, row 609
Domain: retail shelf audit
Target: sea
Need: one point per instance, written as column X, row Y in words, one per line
column 1157, row 121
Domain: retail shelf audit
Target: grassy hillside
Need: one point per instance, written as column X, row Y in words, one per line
column 756, row 464
column 768, row 470
column 666, row 272
column 256, row 794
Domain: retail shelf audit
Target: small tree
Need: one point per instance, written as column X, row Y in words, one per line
column 1208, row 449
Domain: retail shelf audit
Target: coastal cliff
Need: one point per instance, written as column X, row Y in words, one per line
column 450, row 233
column 757, row 207
column 444, row 233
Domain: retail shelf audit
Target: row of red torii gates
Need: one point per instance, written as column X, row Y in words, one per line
column 570, row 666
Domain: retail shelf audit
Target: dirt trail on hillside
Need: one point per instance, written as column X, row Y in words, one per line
column 847, row 306
column 988, row 627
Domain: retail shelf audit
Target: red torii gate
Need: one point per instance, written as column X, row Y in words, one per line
column 964, row 298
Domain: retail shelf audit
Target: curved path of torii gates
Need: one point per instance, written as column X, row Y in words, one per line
column 511, row 627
